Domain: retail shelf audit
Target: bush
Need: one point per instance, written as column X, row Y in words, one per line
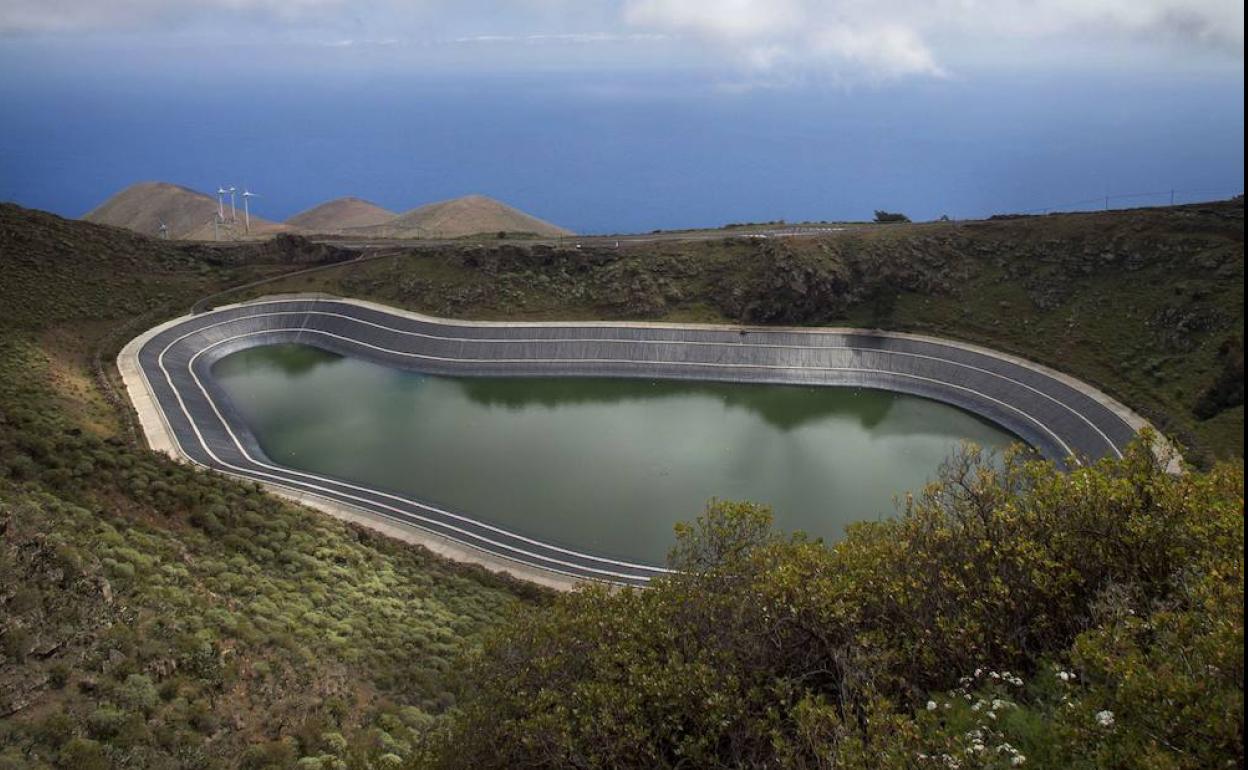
column 106, row 721
column 762, row 650
column 83, row 754
column 1227, row 391
column 139, row 694
column 887, row 217
column 16, row 643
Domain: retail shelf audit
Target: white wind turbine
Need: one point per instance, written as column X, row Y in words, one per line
column 247, row 196
column 221, row 191
column 233, row 206
column 164, row 230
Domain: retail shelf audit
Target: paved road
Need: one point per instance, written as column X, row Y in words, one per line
column 1061, row 418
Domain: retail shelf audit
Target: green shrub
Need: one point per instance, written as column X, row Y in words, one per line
column 139, row 694
column 106, row 721
column 83, row 754
column 762, row 650
column 54, row 729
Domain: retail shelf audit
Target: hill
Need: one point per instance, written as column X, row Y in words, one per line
column 340, row 214
column 152, row 615
column 155, row 616
column 462, row 217
column 189, row 214
column 1146, row 304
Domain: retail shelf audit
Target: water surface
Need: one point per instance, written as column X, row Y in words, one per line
column 605, row 466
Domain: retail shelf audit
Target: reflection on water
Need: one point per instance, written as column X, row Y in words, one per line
column 783, row 407
column 601, row 465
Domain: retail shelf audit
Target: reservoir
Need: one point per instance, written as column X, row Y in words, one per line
column 602, row 466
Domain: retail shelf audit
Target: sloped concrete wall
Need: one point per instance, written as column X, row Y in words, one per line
column 168, row 371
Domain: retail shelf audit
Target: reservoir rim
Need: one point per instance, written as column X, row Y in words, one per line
column 167, row 372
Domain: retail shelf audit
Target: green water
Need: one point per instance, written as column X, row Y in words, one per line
column 605, row 466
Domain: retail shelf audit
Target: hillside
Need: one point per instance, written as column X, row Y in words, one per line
column 155, row 616
column 187, row 213
column 340, row 214
column 461, row 217
column 1146, row 304
column 1012, row 615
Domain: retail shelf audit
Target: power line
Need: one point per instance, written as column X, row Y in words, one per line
column 1173, row 195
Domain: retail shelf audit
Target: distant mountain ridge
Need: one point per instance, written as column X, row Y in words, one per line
column 461, row 217
column 341, row 214
column 191, row 215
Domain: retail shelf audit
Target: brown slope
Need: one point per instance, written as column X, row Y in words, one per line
column 469, row 215
column 188, row 213
column 341, row 214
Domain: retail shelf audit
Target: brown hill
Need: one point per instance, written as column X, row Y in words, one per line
column 469, row 215
column 189, row 214
column 341, row 214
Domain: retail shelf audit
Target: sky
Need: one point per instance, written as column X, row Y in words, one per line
column 628, row 115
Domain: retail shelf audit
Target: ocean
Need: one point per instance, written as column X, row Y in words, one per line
column 628, row 153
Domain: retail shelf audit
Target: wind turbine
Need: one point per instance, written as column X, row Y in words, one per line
column 233, row 207
column 247, row 196
column 164, row 230
column 221, row 191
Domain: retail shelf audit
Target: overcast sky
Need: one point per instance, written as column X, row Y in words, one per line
column 738, row 43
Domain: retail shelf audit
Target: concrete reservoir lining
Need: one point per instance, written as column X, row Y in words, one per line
column 184, row 411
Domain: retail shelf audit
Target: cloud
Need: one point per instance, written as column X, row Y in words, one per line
column 752, row 42
column 727, row 19
column 898, row 38
column 61, row 16
column 567, row 38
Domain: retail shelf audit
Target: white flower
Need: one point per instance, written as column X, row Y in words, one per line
column 1063, row 675
column 1105, row 718
column 931, row 705
column 1018, row 760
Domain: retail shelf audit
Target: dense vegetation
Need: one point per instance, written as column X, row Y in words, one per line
column 154, row 616
column 1141, row 303
column 1013, row 616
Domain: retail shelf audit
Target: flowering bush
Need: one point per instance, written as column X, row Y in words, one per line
column 1012, row 616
